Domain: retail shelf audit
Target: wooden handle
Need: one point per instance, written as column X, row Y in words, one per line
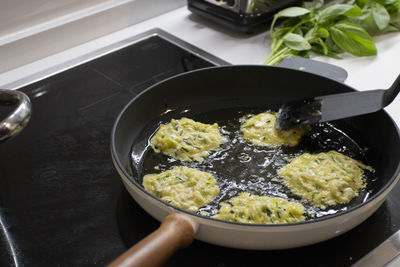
column 175, row 232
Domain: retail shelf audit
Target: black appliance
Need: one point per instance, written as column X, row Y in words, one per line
column 247, row 16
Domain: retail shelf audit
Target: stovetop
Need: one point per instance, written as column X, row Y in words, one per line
column 61, row 200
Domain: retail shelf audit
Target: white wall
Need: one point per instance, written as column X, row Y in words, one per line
column 33, row 29
column 17, row 15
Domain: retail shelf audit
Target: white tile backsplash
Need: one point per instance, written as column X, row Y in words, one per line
column 34, row 29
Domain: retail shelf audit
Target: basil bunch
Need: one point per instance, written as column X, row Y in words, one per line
column 332, row 29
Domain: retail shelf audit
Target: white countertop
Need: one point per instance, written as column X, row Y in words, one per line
column 364, row 73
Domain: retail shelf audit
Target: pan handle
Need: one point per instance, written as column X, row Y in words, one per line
column 175, row 232
column 18, row 119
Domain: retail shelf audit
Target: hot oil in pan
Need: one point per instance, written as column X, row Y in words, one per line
column 241, row 167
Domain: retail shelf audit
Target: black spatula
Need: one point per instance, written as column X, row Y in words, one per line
column 333, row 107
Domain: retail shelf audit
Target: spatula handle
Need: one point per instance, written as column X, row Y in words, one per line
column 175, row 232
column 391, row 93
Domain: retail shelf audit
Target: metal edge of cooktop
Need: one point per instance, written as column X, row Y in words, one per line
column 112, row 48
column 386, row 254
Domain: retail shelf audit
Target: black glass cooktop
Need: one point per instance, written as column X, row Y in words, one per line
column 62, row 202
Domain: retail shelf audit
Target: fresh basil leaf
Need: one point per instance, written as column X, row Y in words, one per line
column 310, row 34
column 335, row 11
column 296, row 42
column 322, row 32
column 353, row 39
column 393, row 9
column 334, row 55
column 368, row 23
column 395, row 25
column 298, row 31
column 290, row 22
column 320, row 43
column 312, row 5
column 391, row 28
column 303, row 53
column 317, row 49
column 395, row 16
column 316, row 32
column 277, row 36
column 361, row 3
column 386, row 2
column 324, row 48
column 292, row 12
column 289, row 12
column 380, row 15
column 375, row 18
column 332, row 46
column 279, row 33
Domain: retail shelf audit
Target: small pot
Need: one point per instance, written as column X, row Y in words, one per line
column 19, row 117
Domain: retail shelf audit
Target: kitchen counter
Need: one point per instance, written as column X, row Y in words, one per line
column 364, row 73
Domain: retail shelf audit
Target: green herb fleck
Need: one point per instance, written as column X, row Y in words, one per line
column 187, row 141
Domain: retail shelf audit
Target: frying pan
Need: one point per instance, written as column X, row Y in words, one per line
column 258, row 88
